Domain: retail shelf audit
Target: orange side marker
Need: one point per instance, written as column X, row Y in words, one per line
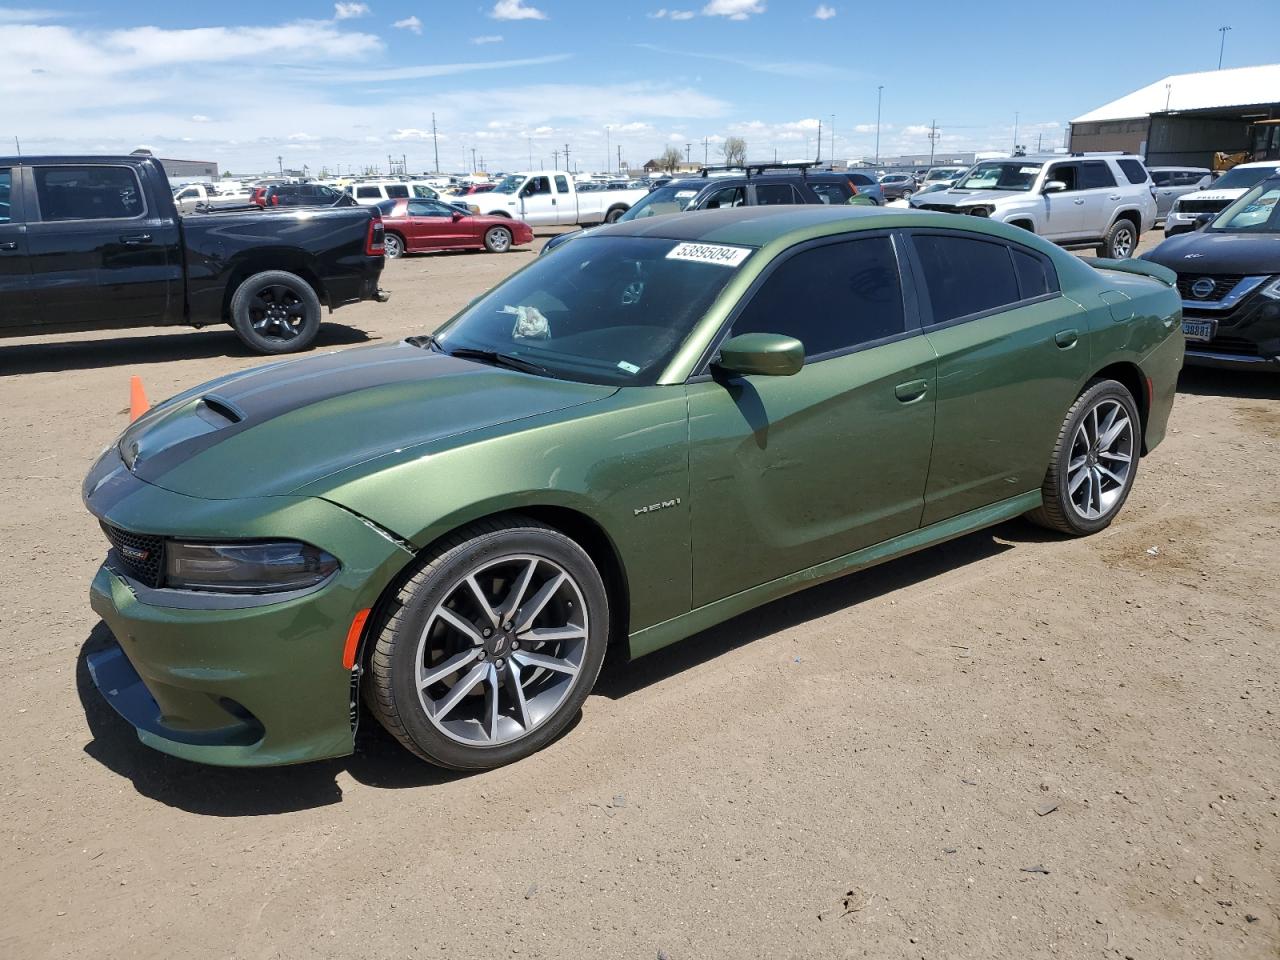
column 138, row 402
column 353, row 638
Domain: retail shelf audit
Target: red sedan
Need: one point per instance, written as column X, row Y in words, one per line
column 418, row 226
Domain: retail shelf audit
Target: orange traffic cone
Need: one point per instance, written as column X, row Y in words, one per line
column 138, row 403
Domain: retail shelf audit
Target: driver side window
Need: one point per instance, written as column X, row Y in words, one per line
column 725, row 198
column 1066, row 172
column 537, row 186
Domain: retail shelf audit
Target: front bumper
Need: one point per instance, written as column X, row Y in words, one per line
column 228, row 679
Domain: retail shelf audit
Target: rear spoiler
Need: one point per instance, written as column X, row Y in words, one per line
column 1143, row 268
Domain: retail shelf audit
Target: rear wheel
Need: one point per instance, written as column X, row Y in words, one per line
column 614, row 215
column 275, row 312
column 1122, row 240
column 497, row 239
column 491, row 647
column 393, row 246
column 1094, row 461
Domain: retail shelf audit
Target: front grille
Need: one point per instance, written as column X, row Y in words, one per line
column 1202, row 206
column 1222, row 285
column 1237, row 346
column 937, row 207
column 141, row 556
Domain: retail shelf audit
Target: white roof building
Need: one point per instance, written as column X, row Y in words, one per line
column 1210, row 90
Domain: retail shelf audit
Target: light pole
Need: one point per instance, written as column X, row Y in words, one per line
column 879, row 96
column 608, row 148
column 1015, row 132
column 1223, row 45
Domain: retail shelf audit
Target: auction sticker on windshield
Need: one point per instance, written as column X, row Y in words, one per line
column 716, row 253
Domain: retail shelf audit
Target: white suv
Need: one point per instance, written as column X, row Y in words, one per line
column 1089, row 200
column 1217, row 196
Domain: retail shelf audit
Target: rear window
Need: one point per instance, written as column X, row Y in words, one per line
column 772, row 194
column 1161, row 178
column 1095, row 174
column 88, row 193
column 1036, row 276
column 1134, row 170
column 966, row 276
column 861, row 179
column 368, row 193
column 832, row 193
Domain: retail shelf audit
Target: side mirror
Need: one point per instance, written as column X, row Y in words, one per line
column 457, row 215
column 1203, row 220
column 762, row 354
column 1054, row 186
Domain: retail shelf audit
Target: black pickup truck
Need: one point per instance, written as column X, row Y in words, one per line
column 92, row 243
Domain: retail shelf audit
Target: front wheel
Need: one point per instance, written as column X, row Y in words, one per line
column 497, row 239
column 1094, row 461
column 275, row 312
column 490, row 649
column 1122, row 240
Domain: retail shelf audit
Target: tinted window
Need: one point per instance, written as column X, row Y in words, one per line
column 775, row 193
column 1133, row 169
column 1164, row 178
column 1066, row 172
column 725, row 197
column 965, row 276
column 424, row 208
column 537, row 185
column 830, row 297
column 397, row 191
column 562, row 185
column 1095, row 174
column 6, row 189
column 422, row 191
column 832, row 192
column 88, row 193
column 367, row 192
column 861, row 179
column 1036, row 276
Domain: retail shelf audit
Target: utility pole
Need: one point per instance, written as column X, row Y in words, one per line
column 688, row 153
column 833, row 139
column 608, row 148
column 473, row 159
column 280, row 163
column 934, row 136
column 818, row 156
column 1039, row 141
column 555, row 159
column 619, row 158
column 879, row 100
column 1223, row 45
column 1015, row 132
column 434, row 143
column 17, row 146
column 566, row 158
column 529, row 141
column 706, row 151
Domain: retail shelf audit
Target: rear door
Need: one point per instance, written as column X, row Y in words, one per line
column 566, row 200
column 791, row 471
column 774, row 194
column 1012, row 352
column 99, row 253
column 1101, row 195
column 17, row 300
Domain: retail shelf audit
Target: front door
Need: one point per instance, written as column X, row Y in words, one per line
column 537, row 202
column 1012, row 352
column 787, row 472
column 434, row 228
column 17, row 301
column 1064, row 210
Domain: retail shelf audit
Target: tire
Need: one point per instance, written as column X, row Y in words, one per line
column 906, row 194
column 275, row 312
column 393, row 246
column 1121, row 241
column 516, row 561
column 1067, row 497
column 497, row 239
column 614, row 215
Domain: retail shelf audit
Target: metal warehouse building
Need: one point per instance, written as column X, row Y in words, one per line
column 1187, row 118
column 183, row 170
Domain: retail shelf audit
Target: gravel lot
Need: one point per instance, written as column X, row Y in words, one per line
column 865, row 769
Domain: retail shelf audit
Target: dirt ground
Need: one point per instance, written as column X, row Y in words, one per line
column 862, row 770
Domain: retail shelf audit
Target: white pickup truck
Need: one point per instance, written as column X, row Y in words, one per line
column 545, row 197
column 209, row 195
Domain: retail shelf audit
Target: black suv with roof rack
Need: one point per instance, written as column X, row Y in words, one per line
column 738, row 185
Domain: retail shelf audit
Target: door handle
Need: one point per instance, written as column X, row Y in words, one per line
column 911, row 391
column 1066, row 338
column 135, row 239
column 9, row 245
column 1114, row 196
column 1078, row 201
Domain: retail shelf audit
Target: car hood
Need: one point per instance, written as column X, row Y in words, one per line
column 1221, row 195
column 963, row 198
column 1214, row 253
column 271, row 430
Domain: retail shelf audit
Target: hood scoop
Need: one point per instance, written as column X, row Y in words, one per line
column 214, row 406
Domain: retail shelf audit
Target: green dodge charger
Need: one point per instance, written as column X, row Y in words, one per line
column 660, row 425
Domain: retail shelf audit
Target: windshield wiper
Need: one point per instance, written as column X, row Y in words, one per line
column 498, row 359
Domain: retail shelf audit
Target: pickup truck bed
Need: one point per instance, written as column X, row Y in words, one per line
column 97, row 243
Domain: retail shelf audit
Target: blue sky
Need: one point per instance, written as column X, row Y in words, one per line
column 327, row 84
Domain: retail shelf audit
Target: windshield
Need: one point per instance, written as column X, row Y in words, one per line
column 944, row 173
column 1001, row 175
column 1241, row 178
column 604, row 309
column 1258, row 211
column 672, row 198
column 510, row 184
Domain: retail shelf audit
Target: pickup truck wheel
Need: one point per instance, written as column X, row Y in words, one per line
column 276, row 312
column 393, row 246
column 1121, row 240
column 489, row 649
column 614, row 215
column 497, row 239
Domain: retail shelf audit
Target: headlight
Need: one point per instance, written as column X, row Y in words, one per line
column 246, row 567
column 979, row 210
column 1272, row 289
column 473, row 208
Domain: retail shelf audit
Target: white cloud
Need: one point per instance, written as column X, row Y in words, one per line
column 733, row 9
column 27, row 15
column 824, row 12
column 199, row 118
column 487, row 38
column 916, row 130
column 350, row 11
column 515, row 10
column 665, row 14
column 412, row 24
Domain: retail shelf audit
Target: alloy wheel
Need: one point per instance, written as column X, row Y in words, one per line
column 391, row 246
column 1122, row 244
column 502, row 651
column 277, row 312
column 498, row 239
column 1101, row 460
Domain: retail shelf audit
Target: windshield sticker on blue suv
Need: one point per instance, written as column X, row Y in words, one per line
column 716, row 253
